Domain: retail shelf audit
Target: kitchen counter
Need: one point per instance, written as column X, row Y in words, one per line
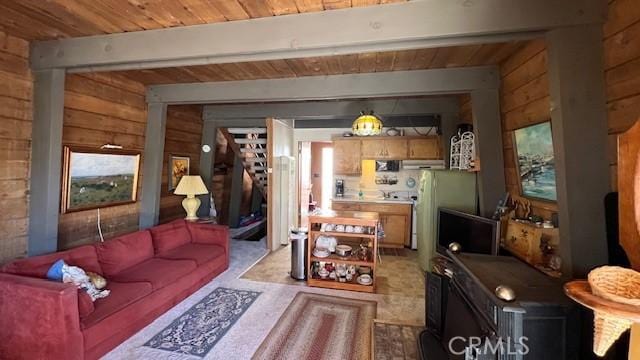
column 375, row 200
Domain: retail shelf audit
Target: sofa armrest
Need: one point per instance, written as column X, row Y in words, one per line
column 39, row 319
column 209, row 234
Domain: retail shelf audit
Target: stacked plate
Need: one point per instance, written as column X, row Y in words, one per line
column 364, row 279
column 321, row 252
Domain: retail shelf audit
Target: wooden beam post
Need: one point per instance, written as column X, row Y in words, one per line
column 46, row 161
column 235, row 199
column 207, row 160
column 389, row 27
column 152, row 164
column 331, row 87
column 579, row 125
column 485, row 105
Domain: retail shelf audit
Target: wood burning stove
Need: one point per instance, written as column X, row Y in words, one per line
column 541, row 323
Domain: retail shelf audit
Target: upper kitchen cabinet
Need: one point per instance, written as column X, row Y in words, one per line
column 428, row 148
column 390, row 149
column 346, row 157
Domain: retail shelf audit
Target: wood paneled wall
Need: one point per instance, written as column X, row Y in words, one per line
column 622, row 72
column 100, row 109
column 524, row 100
column 466, row 116
column 15, row 145
column 183, row 137
column 525, row 87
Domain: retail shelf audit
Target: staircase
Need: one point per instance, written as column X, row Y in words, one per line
column 251, row 145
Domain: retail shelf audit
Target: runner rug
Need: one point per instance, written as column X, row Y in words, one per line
column 199, row 329
column 321, row 327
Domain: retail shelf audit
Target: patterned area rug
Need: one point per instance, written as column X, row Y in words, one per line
column 321, row 327
column 199, row 329
column 395, row 341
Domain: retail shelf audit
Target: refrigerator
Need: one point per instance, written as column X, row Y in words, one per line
column 284, row 182
column 440, row 188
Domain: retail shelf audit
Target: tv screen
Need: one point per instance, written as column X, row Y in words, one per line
column 475, row 234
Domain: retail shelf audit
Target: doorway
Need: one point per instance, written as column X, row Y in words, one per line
column 316, row 177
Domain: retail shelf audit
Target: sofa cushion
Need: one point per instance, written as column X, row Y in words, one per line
column 209, row 234
column 84, row 257
column 85, row 304
column 159, row 272
column 199, row 253
column 122, row 294
column 116, row 328
column 124, row 252
column 170, row 236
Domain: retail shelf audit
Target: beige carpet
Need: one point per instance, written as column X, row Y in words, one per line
column 321, row 327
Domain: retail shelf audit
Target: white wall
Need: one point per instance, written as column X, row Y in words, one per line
column 282, row 145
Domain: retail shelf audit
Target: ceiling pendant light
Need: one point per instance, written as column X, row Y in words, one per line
column 367, row 125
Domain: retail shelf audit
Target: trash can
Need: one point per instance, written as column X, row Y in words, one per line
column 298, row 239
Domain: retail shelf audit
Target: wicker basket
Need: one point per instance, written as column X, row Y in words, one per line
column 615, row 284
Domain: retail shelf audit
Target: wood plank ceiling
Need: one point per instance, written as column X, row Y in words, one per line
column 52, row 19
column 446, row 57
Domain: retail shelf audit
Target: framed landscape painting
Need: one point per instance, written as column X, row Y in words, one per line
column 535, row 161
column 96, row 178
column 178, row 167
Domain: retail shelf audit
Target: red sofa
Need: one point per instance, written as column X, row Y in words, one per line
column 148, row 272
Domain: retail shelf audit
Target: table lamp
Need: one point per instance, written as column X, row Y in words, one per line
column 191, row 185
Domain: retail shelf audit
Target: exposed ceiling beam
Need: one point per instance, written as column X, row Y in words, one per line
column 401, row 26
column 351, row 86
column 324, row 110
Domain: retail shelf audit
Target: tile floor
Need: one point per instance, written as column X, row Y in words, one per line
column 398, row 275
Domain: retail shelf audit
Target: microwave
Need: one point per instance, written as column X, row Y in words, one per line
column 388, row 165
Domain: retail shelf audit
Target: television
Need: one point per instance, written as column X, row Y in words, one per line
column 475, row 234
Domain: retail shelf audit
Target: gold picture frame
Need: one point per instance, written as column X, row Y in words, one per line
column 96, row 178
column 179, row 166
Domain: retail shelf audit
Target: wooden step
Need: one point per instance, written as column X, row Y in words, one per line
column 255, row 151
column 258, row 168
column 251, row 141
column 247, row 130
column 254, row 159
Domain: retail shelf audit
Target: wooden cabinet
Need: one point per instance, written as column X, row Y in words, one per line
column 395, row 230
column 372, row 149
column 425, row 148
column 395, row 149
column 346, row 157
column 389, row 149
column 395, row 219
column 345, row 206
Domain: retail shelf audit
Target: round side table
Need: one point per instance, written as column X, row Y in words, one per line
column 580, row 292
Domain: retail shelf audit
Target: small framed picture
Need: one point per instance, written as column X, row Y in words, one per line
column 178, row 167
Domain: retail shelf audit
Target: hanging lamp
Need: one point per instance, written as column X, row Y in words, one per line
column 367, row 125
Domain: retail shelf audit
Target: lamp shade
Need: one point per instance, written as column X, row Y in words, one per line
column 191, row 185
column 367, row 125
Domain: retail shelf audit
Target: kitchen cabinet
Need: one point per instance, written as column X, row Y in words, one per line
column 389, row 149
column 428, row 148
column 346, row 157
column 395, row 229
column 395, row 219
